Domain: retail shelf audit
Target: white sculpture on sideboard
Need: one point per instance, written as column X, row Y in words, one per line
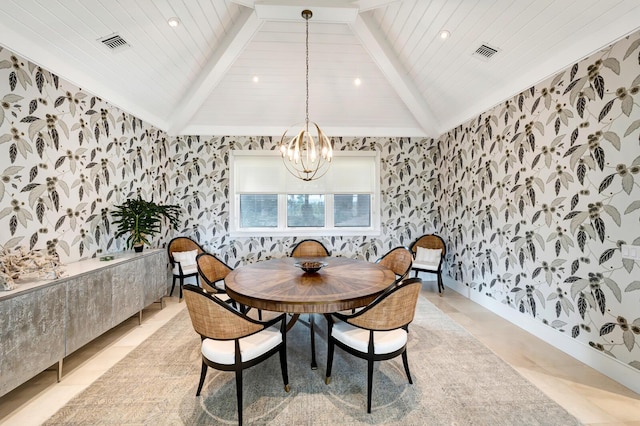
column 19, row 263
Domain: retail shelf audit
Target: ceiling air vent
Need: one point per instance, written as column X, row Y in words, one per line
column 114, row 41
column 485, row 52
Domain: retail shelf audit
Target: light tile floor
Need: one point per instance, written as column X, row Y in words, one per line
column 588, row 395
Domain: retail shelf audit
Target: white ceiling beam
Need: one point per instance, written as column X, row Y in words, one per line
column 245, row 3
column 365, row 5
column 231, row 47
column 360, row 5
column 378, row 47
column 276, row 132
column 334, row 11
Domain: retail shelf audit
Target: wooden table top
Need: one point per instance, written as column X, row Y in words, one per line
column 278, row 285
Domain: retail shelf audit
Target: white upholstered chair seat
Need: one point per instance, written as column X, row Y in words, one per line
column 427, row 258
column 186, row 259
column 186, row 269
column 384, row 342
column 426, row 265
column 223, row 351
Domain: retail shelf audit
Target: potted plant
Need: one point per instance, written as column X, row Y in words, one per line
column 143, row 219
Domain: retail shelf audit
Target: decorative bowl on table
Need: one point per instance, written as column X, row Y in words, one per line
column 310, row 266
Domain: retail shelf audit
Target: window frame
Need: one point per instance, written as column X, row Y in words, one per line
column 282, row 230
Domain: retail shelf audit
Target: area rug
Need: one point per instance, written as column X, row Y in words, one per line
column 456, row 381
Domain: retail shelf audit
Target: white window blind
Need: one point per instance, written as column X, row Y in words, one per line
column 258, row 174
column 264, row 173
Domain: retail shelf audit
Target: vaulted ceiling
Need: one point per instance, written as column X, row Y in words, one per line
column 237, row 67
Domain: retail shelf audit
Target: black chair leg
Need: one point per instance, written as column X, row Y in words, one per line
column 283, row 367
column 203, row 374
column 369, row 383
column 440, row 283
column 173, row 285
column 330, row 349
column 239, row 394
column 314, row 364
column 181, row 284
column 405, row 361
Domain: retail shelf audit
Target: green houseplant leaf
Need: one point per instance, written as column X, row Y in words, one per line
column 142, row 219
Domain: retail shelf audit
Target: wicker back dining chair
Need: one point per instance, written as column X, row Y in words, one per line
column 378, row 332
column 399, row 260
column 231, row 341
column 309, row 248
column 212, row 270
column 182, row 253
column 428, row 253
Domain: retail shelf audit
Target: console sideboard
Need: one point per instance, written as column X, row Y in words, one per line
column 43, row 321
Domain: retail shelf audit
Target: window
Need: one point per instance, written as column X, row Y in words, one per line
column 268, row 201
column 258, row 211
column 305, row 211
column 352, row 210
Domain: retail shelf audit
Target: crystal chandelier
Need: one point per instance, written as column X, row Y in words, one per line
column 307, row 154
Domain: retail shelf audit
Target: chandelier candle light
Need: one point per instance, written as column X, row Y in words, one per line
column 305, row 156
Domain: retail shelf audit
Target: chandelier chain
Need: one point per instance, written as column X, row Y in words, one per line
column 307, row 73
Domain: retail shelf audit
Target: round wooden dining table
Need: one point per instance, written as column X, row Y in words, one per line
column 279, row 285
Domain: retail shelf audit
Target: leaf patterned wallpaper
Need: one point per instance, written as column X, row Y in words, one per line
column 534, row 197
column 539, row 193
column 65, row 158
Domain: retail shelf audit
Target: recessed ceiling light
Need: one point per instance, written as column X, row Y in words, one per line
column 255, row 79
column 444, row 34
column 357, row 82
column 173, row 22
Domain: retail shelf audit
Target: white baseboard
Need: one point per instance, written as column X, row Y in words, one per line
column 610, row 367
